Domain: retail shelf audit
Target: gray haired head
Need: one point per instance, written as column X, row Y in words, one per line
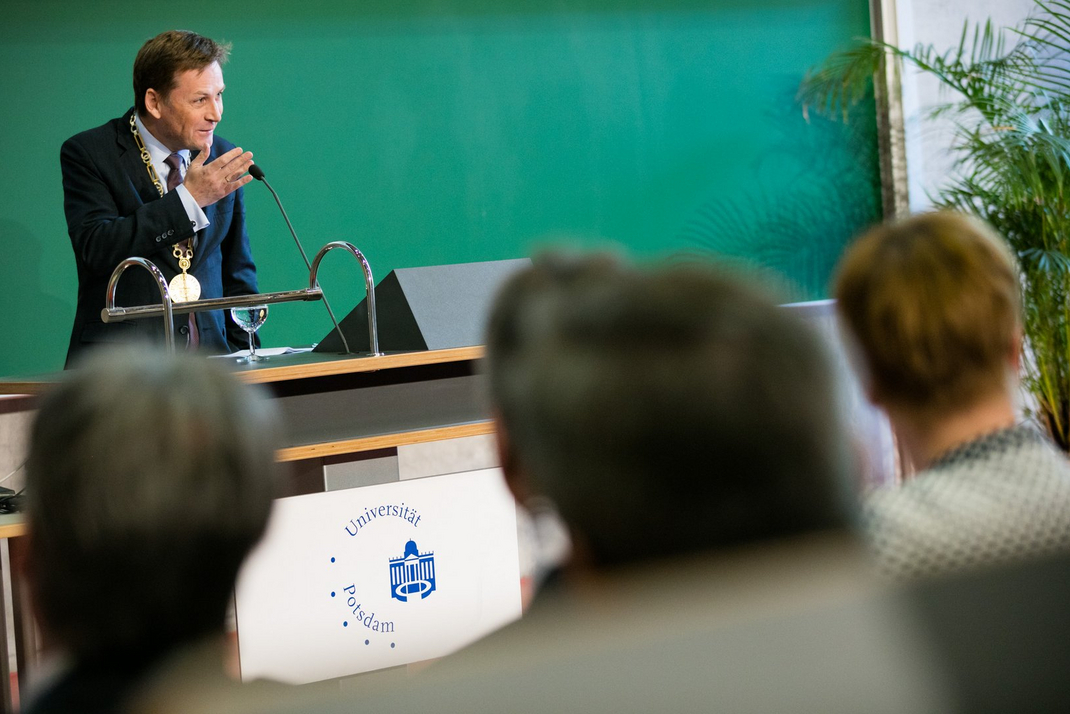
column 150, row 477
column 665, row 411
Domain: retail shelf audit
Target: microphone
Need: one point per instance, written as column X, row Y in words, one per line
column 258, row 173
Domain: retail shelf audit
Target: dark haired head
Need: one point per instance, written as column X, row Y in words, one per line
column 665, row 411
column 170, row 53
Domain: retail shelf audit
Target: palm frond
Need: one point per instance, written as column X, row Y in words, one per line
column 991, row 78
column 843, row 80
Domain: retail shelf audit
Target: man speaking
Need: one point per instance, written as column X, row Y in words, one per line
column 157, row 183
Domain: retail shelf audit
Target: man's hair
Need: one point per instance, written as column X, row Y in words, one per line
column 149, row 479
column 161, row 59
column 933, row 303
column 665, row 411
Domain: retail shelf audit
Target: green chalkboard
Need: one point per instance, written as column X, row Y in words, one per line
column 441, row 131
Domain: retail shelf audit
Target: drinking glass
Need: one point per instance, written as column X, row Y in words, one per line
column 250, row 319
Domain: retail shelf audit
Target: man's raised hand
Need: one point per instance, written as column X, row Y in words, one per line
column 209, row 182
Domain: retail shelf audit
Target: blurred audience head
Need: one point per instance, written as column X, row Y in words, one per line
column 149, row 479
column 933, row 304
column 664, row 411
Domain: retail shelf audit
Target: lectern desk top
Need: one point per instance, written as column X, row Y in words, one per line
column 286, row 367
column 342, row 404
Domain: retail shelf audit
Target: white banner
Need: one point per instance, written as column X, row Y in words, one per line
column 364, row 578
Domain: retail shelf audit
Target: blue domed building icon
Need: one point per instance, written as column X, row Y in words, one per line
column 412, row 574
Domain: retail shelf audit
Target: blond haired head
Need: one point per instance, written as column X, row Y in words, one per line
column 933, row 303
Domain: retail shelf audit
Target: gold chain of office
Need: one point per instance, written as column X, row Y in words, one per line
column 185, row 287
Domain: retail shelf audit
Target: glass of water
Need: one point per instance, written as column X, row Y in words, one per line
column 250, row 319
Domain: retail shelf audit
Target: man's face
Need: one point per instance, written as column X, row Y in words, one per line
column 186, row 117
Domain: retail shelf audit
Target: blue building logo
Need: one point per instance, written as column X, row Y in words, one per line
column 412, row 574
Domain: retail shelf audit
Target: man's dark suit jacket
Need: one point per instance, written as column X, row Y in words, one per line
column 115, row 212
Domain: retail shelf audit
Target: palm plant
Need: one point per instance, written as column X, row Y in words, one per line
column 1011, row 111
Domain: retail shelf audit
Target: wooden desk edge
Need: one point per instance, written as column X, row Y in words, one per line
column 328, row 368
column 384, row 441
column 359, row 364
column 19, row 390
column 13, row 529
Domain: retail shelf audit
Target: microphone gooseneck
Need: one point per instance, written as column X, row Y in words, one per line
column 258, row 173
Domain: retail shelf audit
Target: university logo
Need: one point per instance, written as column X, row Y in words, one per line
column 412, row 574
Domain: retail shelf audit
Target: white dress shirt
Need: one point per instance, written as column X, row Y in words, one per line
column 158, row 154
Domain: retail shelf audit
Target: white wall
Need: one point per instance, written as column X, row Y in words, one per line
column 938, row 22
column 14, row 438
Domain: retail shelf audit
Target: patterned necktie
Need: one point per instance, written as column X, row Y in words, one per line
column 174, row 179
column 174, row 161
